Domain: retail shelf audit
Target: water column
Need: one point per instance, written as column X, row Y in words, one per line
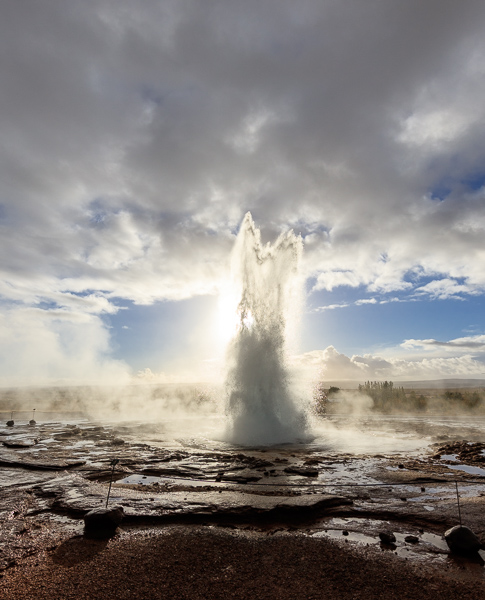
column 261, row 406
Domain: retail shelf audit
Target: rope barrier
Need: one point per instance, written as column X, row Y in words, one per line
column 323, row 485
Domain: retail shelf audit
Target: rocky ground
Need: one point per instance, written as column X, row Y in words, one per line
column 209, row 521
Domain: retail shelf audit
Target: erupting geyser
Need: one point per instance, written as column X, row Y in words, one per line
column 261, row 406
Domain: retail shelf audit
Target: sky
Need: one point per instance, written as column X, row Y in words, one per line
column 136, row 135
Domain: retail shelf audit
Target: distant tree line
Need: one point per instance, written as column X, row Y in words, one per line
column 387, row 397
column 469, row 400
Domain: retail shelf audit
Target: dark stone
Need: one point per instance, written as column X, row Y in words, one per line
column 102, row 522
column 387, row 537
column 305, row 471
column 312, row 461
column 345, row 532
column 411, row 539
column 462, row 540
column 241, row 476
column 117, row 442
column 10, row 423
column 32, row 423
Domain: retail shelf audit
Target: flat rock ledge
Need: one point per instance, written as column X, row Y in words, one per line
column 72, row 494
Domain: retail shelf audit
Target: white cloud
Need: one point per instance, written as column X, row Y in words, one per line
column 434, row 128
column 443, row 289
column 136, row 135
column 464, row 345
column 331, row 307
column 331, row 365
column 56, row 346
column 332, row 279
column 360, row 302
column 366, row 301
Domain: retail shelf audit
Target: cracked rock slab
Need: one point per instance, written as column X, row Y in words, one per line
column 74, row 495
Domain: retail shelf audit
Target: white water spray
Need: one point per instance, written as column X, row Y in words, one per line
column 261, row 406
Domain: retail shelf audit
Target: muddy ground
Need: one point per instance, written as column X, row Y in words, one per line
column 55, row 471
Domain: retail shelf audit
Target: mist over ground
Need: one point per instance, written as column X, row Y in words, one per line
column 156, row 403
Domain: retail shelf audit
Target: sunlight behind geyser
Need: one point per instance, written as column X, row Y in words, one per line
column 226, row 318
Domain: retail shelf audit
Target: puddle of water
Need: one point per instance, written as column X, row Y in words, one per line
column 352, row 536
column 139, row 480
column 435, row 540
column 80, row 444
column 449, row 457
column 441, row 492
column 429, row 543
column 468, row 469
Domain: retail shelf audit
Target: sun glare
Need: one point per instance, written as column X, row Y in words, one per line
column 227, row 317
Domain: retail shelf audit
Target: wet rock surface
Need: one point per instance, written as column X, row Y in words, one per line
column 48, row 486
column 468, row 452
column 19, row 443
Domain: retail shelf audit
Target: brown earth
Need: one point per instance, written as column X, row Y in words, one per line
column 208, row 563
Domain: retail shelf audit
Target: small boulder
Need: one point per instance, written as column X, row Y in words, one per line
column 462, row 540
column 411, row 539
column 102, row 522
column 387, row 537
column 117, row 442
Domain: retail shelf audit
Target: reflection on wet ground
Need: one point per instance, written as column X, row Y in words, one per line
column 354, row 478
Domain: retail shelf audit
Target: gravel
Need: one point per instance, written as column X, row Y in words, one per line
column 212, row 563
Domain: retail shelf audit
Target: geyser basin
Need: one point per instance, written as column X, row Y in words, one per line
column 261, row 405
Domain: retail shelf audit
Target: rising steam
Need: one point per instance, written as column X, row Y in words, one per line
column 261, row 406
